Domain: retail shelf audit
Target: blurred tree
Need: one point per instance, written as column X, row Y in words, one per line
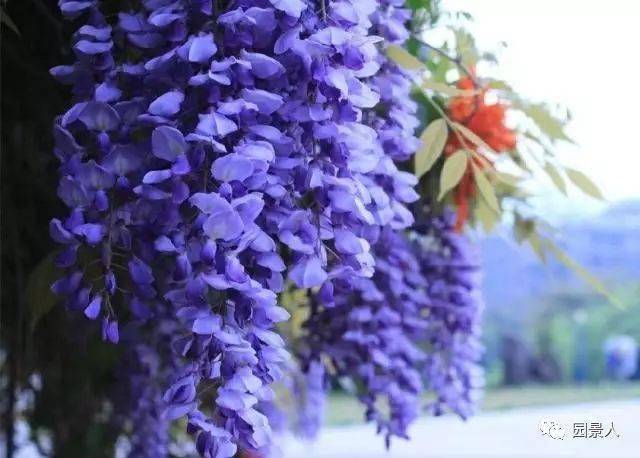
column 68, row 406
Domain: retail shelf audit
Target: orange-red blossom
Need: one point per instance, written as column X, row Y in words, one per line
column 487, row 121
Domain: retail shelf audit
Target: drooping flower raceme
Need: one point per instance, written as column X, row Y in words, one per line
column 413, row 327
column 365, row 328
column 370, row 335
column 139, row 400
column 450, row 265
column 208, row 154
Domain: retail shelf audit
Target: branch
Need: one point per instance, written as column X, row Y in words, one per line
column 456, row 60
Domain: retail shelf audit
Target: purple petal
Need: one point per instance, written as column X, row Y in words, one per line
column 308, row 273
column 106, row 92
column 293, row 8
column 346, row 242
column 93, row 233
column 140, row 272
column 249, row 207
column 163, row 19
column 262, row 65
column 202, row 48
column 235, row 400
column 99, row 116
column 72, row 8
column 168, row 143
column 93, row 47
column 224, row 222
column 95, row 176
column 268, row 132
column 112, row 333
column 167, row 104
column 207, row 325
column 122, row 159
column 215, row 125
column 164, row 244
column 286, row 41
column 177, row 411
column 232, row 167
column 59, row 233
column 93, row 309
column 156, row 176
column 260, row 150
column 266, row 102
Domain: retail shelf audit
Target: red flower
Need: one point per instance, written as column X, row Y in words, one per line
column 487, row 121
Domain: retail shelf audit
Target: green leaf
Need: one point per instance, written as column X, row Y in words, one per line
column 546, row 122
column 583, row 273
column 537, row 246
column 584, row 183
column 433, row 140
column 403, row 58
column 471, row 136
column 6, row 20
column 556, row 178
column 523, row 228
column 452, row 172
column 499, row 85
column 519, row 160
column 40, row 299
column 487, row 217
column 507, row 178
column 486, row 190
column 465, row 47
column 446, row 88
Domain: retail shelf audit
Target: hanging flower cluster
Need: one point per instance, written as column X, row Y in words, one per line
column 450, row 266
column 371, row 334
column 365, row 327
column 413, row 326
column 487, row 121
column 139, row 399
column 210, row 153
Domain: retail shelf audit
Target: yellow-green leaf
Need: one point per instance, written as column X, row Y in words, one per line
column 507, row 178
column 556, row 178
column 486, row 190
column 523, row 228
column 471, row 136
column 452, row 172
column 519, row 160
column 403, row 58
column 487, row 217
column 547, row 123
column 6, row 20
column 433, row 139
column 446, row 88
column 583, row 273
column 584, row 183
column 500, row 85
column 537, row 246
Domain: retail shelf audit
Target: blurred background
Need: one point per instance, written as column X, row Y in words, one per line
column 542, row 324
column 554, row 348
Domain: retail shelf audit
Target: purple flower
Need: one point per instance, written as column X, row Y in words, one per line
column 168, row 143
column 168, row 104
column 201, row 169
column 232, row 167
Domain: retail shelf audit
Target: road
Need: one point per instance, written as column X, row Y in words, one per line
column 510, row 433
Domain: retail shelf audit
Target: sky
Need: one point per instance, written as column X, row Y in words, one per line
column 582, row 54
